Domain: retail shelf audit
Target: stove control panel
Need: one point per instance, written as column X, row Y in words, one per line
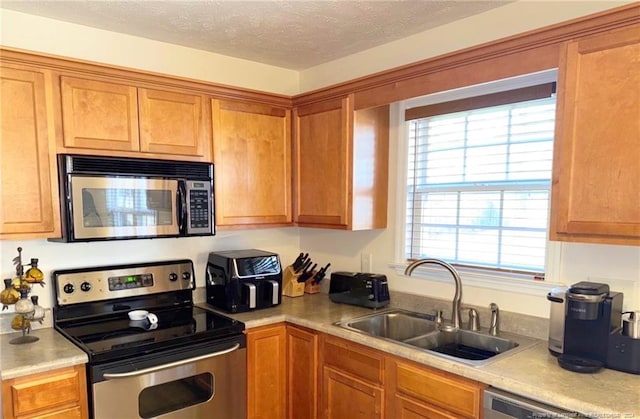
column 84, row 285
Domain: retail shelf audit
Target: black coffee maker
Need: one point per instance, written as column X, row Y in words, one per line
column 593, row 314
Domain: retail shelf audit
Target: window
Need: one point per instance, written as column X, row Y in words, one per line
column 478, row 185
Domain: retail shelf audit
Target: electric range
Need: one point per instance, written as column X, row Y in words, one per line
column 196, row 355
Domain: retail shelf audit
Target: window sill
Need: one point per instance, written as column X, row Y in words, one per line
column 506, row 282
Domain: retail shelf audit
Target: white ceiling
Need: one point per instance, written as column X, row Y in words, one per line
column 294, row 34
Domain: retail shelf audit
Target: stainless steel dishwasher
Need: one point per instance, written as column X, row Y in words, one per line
column 499, row 404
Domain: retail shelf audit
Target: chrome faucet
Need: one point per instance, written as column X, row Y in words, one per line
column 494, row 325
column 457, row 297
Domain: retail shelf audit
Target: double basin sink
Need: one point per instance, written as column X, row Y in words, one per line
column 421, row 331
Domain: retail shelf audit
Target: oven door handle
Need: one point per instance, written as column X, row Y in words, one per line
column 110, row 376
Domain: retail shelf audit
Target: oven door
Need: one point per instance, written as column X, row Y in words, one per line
column 107, row 207
column 208, row 381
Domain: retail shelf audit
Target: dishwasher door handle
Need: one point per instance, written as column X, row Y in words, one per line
column 113, row 376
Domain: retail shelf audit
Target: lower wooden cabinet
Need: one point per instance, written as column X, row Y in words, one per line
column 344, row 396
column 298, row 373
column 302, row 373
column 352, row 380
column 422, row 392
column 266, row 372
column 60, row 393
column 404, row 408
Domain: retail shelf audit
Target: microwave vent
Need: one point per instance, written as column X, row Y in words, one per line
column 132, row 166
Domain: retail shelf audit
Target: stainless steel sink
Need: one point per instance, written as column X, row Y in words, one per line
column 421, row 331
column 463, row 344
column 394, row 325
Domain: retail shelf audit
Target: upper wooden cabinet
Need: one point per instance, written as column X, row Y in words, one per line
column 252, row 156
column 29, row 194
column 596, row 180
column 107, row 116
column 341, row 165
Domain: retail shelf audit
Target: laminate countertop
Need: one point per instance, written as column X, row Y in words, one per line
column 533, row 373
column 50, row 352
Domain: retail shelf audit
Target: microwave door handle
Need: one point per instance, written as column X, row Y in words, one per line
column 181, row 207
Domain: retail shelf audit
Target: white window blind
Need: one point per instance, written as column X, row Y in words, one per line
column 478, row 185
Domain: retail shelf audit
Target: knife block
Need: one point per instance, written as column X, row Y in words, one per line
column 291, row 287
column 310, row 287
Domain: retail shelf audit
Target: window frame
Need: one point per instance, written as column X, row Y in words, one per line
column 475, row 277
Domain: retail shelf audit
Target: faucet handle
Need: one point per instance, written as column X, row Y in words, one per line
column 474, row 320
column 438, row 316
column 494, row 324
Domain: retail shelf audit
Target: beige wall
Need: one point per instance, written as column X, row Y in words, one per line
column 284, row 241
column 35, row 33
column 616, row 264
column 511, row 19
column 619, row 266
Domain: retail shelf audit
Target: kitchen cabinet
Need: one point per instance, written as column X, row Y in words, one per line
column 352, row 380
column 266, row 372
column 341, row 165
column 105, row 117
column 60, row 393
column 596, row 180
column 302, row 373
column 416, row 391
column 252, row 156
column 347, row 397
column 358, row 381
column 29, row 186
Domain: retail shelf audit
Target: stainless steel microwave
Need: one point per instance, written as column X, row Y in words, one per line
column 112, row 198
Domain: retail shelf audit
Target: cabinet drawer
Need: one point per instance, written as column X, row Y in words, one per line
column 408, row 409
column 354, row 359
column 45, row 391
column 70, row 413
column 438, row 388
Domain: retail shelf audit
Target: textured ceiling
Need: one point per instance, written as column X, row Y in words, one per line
column 289, row 34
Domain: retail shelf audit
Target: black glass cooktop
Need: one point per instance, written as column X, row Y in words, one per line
column 116, row 336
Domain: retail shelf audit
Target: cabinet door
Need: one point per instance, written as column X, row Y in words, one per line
column 409, row 409
column 252, row 154
column 323, row 163
column 266, row 372
column 59, row 393
column 347, row 397
column 596, row 182
column 434, row 390
column 99, row 115
column 302, row 380
column 29, row 207
column 174, row 123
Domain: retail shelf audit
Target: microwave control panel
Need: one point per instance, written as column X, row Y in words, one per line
column 199, row 207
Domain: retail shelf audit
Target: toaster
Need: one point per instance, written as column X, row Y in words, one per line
column 360, row 289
